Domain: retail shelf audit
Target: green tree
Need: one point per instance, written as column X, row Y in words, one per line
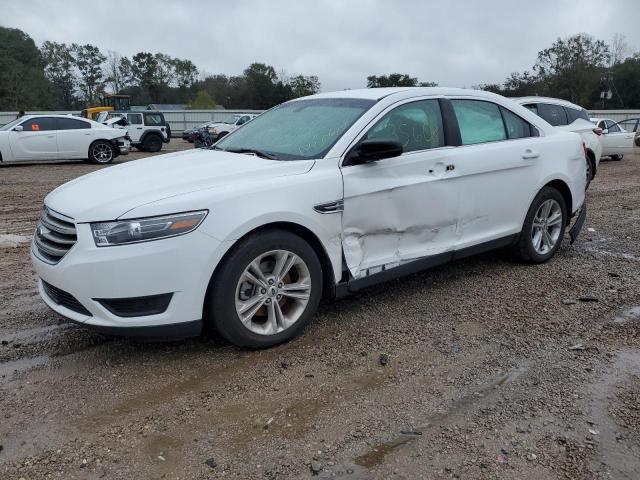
column 392, row 80
column 302, row 85
column 59, row 65
column 89, row 61
column 203, row 101
column 186, row 73
column 23, row 84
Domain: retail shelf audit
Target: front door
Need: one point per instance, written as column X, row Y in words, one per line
column 616, row 141
column 136, row 127
column 36, row 141
column 401, row 209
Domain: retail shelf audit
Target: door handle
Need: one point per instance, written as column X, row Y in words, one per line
column 530, row 154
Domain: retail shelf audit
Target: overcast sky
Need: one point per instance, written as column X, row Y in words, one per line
column 454, row 43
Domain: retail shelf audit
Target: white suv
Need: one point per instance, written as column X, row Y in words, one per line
column 572, row 118
column 320, row 196
column 148, row 129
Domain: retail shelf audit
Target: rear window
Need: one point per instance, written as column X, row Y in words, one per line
column 153, row 119
column 573, row 114
column 554, row 114
column 479, row 121
column 71, row 124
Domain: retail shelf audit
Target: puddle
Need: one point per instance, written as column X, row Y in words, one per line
column 8, row 369
column 12, row 240
column 632, row 313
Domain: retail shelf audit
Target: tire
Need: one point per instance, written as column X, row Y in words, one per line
column 152, row 143
column 101, row 152
column 617, row 158
column 273, row 314
column 526, row 249
column 590, row 171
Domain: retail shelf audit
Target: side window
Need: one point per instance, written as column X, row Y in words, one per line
column 41, row 124
column 554, row 114
column 134, row 118
column 516, row 126
column 533, row 107
column 153, row 119
column 572, row 114
column 416, row 125
column 601, row 124
column 71, row 124
column 243, row 120
column 613, row 127
column 479, row 121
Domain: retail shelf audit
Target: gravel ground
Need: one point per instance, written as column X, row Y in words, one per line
column 478, row 369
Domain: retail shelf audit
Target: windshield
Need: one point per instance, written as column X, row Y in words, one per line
column 232, row 119
column 11, row 124
column 298, row 130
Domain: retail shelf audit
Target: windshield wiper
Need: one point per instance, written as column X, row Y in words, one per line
column 257, row 153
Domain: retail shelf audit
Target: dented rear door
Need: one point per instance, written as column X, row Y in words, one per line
column 401, row 209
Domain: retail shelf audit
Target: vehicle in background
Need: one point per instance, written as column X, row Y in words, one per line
column 189, row 133
column 219, row 130
column 148, row 129
column 60, row 137
column 108, row 103
column 616, row 141
column 572, row 118
column 202, row 138
column 318, row 197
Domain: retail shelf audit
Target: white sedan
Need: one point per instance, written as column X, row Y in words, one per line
column 318, row 197
column 616, row 141
column 60, row 137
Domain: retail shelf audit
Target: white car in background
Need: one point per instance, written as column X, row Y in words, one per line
column 318, row 197
column 221, row 129
column 616, row 141
column 571, row 118
column 60, row 137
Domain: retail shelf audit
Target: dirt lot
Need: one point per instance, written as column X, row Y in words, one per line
column 478, row 369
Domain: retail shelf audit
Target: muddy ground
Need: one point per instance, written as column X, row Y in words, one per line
column 482, row 368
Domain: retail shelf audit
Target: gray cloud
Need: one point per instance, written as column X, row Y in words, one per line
column 453, row 43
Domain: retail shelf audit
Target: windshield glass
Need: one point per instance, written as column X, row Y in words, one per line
column 11, row 124
column 232, row 119
column 298, row 130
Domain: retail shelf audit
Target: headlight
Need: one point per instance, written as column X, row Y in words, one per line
column 146, row 229
column 214, row 131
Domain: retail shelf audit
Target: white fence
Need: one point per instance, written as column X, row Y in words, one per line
column 179, row 120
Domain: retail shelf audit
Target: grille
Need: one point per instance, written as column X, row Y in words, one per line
column 55, row 235
column 60, row 297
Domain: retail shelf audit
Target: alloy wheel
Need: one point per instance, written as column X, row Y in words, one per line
column 273, row 292
column 547, row 225
column 102, row 152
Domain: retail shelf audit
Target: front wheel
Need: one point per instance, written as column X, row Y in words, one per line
column 543, row 228
column 101, row 152
column 266, row 290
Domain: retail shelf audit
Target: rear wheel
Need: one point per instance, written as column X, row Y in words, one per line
column 152, row 143
column 543, row 228
column 266, row 290
column 101, row 152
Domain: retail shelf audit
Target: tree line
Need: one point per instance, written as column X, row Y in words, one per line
column 59, row 76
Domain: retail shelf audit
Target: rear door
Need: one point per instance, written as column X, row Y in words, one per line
column 616, row 140
column 37, row 140
column 400, row 209
column 74, row 137
column 495, row 169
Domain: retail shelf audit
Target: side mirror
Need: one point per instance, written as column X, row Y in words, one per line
column 18, row 128
column 372, row 150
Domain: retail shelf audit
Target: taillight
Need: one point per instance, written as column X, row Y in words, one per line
column 597, row 131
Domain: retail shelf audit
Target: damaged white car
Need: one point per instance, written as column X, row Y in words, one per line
column 318, row 197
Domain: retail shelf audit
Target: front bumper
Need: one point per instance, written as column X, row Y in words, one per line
column 181, row 266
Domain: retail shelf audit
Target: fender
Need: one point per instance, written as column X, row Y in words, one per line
column 156, row 131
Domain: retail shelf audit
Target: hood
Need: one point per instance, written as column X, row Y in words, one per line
column 109, row 193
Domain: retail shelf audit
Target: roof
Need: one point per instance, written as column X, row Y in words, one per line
column 556, row 101
column 379, row 93
column 166, row 106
